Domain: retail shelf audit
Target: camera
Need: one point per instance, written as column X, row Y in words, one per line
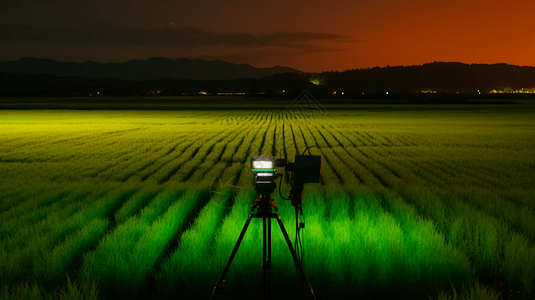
column 304, row 169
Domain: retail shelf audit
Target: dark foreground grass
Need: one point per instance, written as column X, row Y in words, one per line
column 358, row 244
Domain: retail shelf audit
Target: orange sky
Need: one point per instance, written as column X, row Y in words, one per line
column 311, row 36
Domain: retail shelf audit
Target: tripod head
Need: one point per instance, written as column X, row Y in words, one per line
column 264, row 204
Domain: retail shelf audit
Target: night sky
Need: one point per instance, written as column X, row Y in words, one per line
column 311, row 36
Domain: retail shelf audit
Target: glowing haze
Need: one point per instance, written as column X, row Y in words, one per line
column 311, row 36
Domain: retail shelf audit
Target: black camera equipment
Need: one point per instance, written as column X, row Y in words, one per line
column 305, row 169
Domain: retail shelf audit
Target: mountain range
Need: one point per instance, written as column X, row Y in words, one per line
column 142, row 70
column 44, row 77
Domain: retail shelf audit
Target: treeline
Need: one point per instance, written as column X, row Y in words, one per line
column 442, row 77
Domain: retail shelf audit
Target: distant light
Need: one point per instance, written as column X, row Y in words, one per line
column 283, row 91
column 334, row 93
column 342, row 93
column 387, row 93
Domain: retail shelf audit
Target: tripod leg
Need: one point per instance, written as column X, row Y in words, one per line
column 300, row 269
column 219, row 284
column 268, row 283
column 266, row 250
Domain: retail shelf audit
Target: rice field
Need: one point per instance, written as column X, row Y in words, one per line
column 413, row 203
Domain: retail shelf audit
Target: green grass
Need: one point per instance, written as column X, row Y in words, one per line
column 415, row 201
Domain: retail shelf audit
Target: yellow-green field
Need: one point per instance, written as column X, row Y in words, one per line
column 414, row 201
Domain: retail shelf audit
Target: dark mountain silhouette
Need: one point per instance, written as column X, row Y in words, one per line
column 444, row 77
column 141, row 70
column 50, row 85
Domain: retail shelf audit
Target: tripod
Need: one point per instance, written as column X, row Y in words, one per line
column 264, row 207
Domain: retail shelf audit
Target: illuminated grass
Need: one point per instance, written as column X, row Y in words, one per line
column 114, row 264
column 190, row 268
column 413, row 203
column 474, row 292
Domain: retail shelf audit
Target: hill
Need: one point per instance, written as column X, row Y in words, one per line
column 437, row 79
column 24, row 85
column 440, row 76
column 142, row 70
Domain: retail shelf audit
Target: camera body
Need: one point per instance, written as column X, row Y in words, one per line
column 306, row 168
